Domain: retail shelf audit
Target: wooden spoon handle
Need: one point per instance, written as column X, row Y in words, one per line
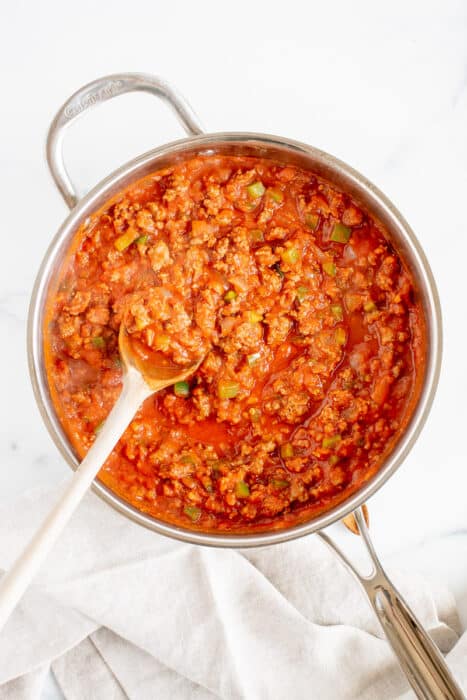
column 17, row 579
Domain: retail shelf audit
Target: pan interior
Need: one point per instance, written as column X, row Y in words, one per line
column 289, row 152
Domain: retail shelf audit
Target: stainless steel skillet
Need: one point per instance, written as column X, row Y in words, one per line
column 423, row 664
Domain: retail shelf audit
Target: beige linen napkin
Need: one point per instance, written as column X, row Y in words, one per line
column 120, row 612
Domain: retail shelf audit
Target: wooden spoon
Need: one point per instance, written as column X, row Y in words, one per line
column 141, row 378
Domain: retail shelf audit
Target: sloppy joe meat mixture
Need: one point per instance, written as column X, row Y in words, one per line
column 308, row 320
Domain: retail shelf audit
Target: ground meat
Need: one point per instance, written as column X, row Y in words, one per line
column 313, row 342
column 159, row 255
column 79, row 303
column 99, row 315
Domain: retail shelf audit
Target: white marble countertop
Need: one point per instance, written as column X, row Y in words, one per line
column 384, row 87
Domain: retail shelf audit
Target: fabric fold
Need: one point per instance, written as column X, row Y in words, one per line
column 120, row 612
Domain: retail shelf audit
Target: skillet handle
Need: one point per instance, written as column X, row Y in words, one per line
column 93, row 94
column 418, row 656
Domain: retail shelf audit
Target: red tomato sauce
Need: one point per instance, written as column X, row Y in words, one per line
column 308, row 319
